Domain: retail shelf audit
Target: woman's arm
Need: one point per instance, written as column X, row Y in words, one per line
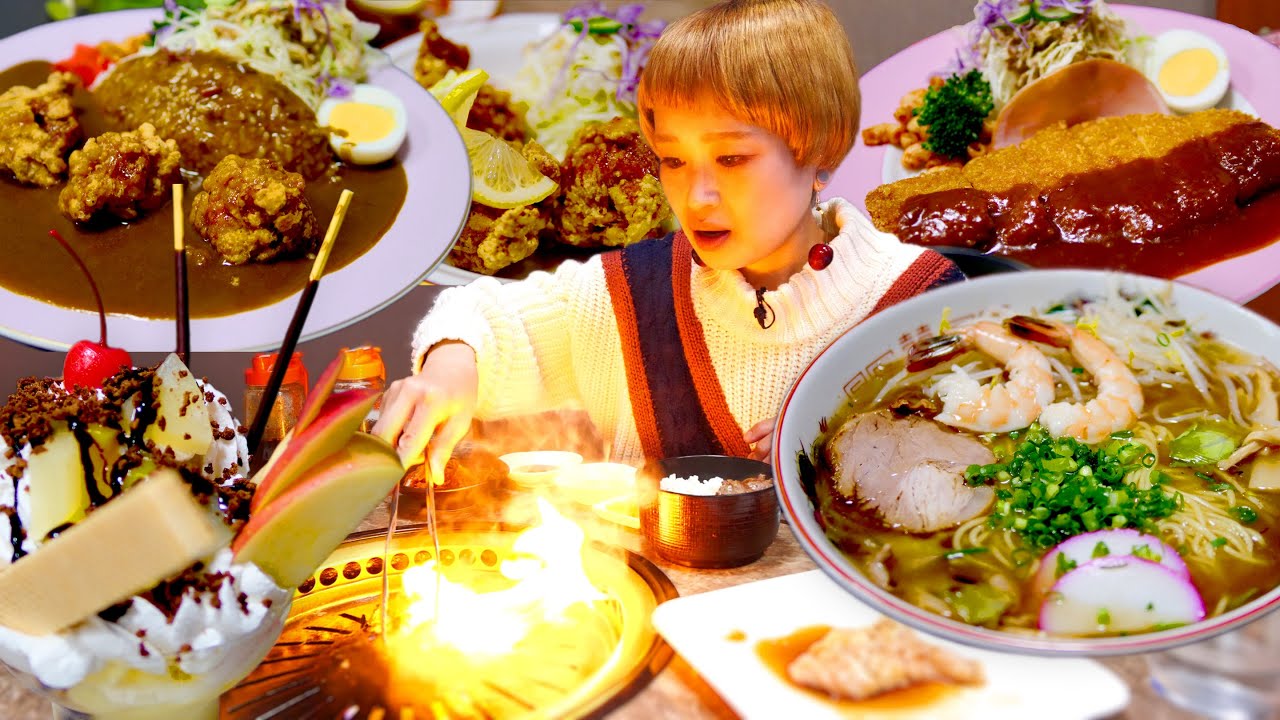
column 488, row 349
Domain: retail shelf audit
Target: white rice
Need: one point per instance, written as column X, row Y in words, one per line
column 691, row 485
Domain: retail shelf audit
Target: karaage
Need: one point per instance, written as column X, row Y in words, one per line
column 120, row 174
column 252, row 211
column 38, row 129
column 611, row 193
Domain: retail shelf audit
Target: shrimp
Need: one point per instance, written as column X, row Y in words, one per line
column 1119, row 399
column 998, row 407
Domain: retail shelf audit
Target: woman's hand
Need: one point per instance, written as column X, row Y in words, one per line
column 428, row 413
column 760, row 438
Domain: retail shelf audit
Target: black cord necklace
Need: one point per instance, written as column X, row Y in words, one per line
column 763, row 310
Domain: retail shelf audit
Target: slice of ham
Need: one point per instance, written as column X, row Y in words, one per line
column 909, row 471
column 1086, row 90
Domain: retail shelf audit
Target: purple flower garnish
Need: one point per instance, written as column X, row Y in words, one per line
column 637, row 39
column 336, row 87
column 171, row 6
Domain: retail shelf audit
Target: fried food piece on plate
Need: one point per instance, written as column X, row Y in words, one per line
column 494, row 239
column 884, row 204
column 612, row 197
column 121, row 174
column 252, row 211
column 38, row 129
column 437, row 55
column 860, row 663
column 494, row 112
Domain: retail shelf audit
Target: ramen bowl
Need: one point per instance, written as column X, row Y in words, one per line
column 864, row 355
column 707, row 531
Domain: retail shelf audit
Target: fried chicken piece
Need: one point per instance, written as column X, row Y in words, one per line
column 38, row 129
column 860, row 663
column 611, row 194
column 252, row 211
column 437, row 55
column 494, row 239
column 494, row 113
column 121, row 174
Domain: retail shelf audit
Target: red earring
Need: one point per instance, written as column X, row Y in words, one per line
column 820, row 256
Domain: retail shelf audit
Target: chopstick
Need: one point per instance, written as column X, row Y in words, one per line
column 295, row 325
column 183, row 313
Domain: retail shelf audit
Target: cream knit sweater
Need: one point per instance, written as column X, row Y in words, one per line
column 551, row 341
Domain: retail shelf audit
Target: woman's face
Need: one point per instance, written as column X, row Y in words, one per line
column 736, row 189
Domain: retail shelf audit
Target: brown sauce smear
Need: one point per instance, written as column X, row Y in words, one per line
column 1165, row 217
column 133, row 264
column 778, row 653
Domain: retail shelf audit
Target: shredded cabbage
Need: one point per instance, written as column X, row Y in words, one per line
column 316, row 48
column 1012, row 55
column 574, row 77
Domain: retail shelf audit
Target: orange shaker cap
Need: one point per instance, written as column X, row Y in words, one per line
column 259, row 372
column 363, row 363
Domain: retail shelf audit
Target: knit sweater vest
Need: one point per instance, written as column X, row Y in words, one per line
column 552, row 341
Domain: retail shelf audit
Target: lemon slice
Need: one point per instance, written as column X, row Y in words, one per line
column 392, row 7
column 457, row 91
column 500, row 176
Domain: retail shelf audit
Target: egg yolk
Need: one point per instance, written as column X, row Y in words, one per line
column 1188, row 72
column 362, row 122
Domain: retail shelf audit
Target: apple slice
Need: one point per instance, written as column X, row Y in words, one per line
column 339, row 417
column 313, row 406
column 289, row 538
column 182, row 416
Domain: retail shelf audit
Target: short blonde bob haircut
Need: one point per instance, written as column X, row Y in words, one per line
column 785, row 66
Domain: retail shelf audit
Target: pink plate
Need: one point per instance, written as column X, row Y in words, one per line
column 439, row 196
column 1254, row 63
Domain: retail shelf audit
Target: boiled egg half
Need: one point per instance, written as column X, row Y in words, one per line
column 366, row 127
column 1190, row 70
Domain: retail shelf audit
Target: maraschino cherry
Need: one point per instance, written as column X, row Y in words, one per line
column 89, row 363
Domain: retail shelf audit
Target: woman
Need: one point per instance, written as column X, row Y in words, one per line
column 673, row 346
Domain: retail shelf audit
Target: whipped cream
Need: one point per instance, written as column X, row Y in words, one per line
column 207, row 630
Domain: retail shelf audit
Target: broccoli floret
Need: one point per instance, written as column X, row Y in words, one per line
column 954, row 113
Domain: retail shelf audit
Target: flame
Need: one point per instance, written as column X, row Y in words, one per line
column 548, row 576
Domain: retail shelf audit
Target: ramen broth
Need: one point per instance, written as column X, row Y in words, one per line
column 982, row 575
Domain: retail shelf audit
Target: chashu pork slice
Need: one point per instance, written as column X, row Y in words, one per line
column 861, row 663
column 910, row 471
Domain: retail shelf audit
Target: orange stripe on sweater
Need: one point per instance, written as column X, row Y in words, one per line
column 637, row 381
column 705, row 382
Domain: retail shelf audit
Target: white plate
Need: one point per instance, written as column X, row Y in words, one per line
column 699, row 627
column 435, row 207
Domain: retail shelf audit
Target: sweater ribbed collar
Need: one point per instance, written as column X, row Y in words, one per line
column 812, row 301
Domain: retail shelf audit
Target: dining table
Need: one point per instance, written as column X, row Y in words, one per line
column 678, row 692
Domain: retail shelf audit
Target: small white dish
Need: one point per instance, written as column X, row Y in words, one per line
column 717, row 634
column 590, row 483
column 538, row 468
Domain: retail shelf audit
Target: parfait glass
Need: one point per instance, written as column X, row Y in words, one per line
column 117, row 691
column 1234, row 676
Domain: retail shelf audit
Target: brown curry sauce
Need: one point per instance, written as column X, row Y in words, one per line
column 133, row 264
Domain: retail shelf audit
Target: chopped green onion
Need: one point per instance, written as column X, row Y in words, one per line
column 1163, row 340
column 1218, row 541
column 1077, row 370
column 1144, row 552
column 1244, row 514
column 1101, row 550
column 1104, row 617
column 1065, row 565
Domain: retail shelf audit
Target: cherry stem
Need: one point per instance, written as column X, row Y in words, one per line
column 97, row 297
